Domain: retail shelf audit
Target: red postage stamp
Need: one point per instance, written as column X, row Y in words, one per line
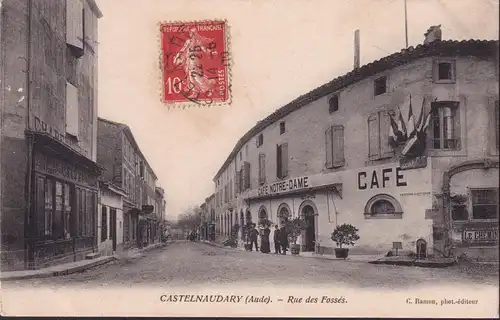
column 195, row 63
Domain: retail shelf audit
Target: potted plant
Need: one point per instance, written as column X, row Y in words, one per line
column 344, row 234
column 294, row 229
column 246, row 234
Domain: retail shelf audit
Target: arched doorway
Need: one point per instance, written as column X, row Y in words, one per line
column 283, row 214
column 308, row 214
column 262, row 216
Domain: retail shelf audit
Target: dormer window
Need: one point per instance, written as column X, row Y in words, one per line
column 380, row 86
column 333, row 104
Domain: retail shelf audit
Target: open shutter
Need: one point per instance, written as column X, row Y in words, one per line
column 278, row 161
column 237, row 182
column 263, row 168
column 385, row 122
column 284, row 160
column 338, row 146
column 456, row 125
column 373, row 137
column 74, row 23
column 329, row 148
column 247, row 175
column 72, row 119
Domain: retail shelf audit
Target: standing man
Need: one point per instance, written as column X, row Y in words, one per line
column 276, row 237
column 253, row 238
column 283, row 240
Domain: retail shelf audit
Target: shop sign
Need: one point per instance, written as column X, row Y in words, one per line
column 387, row 177
column 480, row 234
column 284, row 186
column 56, row 167
column 41, row 126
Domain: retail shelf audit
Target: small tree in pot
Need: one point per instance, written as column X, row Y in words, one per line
column 344, row 234
column 294, row 229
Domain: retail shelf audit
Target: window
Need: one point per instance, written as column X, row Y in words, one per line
column 444, row 71
column 383, row 206
column 68, row 196
column 282, row 160
column 75, row 27
column 72, row 118
column 333, row 104
column 241, row 156
column 237, row 182
column 262, row 168
column 445, row 123
column 49, row 206
column 380, row 86
column 246, row 175
column 246, row 150
column 378, row 136
column 334, row 139
column 260, row 140
column 282, row 127
column 484, row 204
column 104, row 223
column 283, row 215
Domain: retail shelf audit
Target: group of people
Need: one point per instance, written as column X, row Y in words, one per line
column 280, row 238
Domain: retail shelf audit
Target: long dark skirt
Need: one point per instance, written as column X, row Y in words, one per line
column 264, row 244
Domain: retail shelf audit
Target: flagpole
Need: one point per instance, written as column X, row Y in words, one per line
column 406, row 25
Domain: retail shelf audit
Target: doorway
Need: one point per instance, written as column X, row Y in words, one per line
column 310, row 234
column 112, row 225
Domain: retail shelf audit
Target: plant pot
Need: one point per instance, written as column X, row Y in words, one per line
column 341, row 253
column 295, row 249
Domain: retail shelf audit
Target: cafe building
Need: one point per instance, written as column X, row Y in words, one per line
column 49, row 194
column 389, row 148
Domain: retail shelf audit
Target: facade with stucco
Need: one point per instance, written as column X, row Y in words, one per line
column 110, row 219
column 328, row 157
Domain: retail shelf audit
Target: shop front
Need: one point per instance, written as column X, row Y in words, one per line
column 63, row 202
column 471, row 206
column 386, row 203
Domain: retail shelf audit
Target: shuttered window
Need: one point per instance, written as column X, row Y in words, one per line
column 104, row 223
column 262, row 168
column 72, row 123
column 282, row 160
column 74, row 24
column 246, row 169
column 334, row 146
column 237, row 181
column 378, row 136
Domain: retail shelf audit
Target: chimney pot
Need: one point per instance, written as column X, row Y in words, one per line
column 433, row 34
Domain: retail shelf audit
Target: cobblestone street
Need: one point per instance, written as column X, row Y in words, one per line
column 186, row 263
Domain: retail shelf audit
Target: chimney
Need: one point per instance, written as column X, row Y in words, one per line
column 433, row 34
column 356, row 49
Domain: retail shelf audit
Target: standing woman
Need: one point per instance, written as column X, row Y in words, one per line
column 264, row 240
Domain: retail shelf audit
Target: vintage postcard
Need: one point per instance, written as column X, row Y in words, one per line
column 247, row 158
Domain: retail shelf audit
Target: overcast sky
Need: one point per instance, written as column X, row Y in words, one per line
column 280, row 49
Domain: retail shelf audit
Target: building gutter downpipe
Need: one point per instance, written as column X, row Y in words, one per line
column 29, row 225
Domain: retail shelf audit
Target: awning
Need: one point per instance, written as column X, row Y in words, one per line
column 63, row 151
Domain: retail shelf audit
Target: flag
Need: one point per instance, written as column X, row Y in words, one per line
column 411, row 142
column 411, row 121
column 393, row 132
column 401, row 124
column 419, row 125
column 427, row 121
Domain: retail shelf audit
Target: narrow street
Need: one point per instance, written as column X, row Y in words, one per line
column 191, row 264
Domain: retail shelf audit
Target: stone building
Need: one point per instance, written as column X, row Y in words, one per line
column 126, row 166
column 110, row 219
column 160, row 212
column 48, row 91
column 404, row 148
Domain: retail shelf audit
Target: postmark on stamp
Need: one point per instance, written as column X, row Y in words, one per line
column 195, row 63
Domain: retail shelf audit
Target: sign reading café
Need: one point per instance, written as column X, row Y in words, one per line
column 284, row 186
